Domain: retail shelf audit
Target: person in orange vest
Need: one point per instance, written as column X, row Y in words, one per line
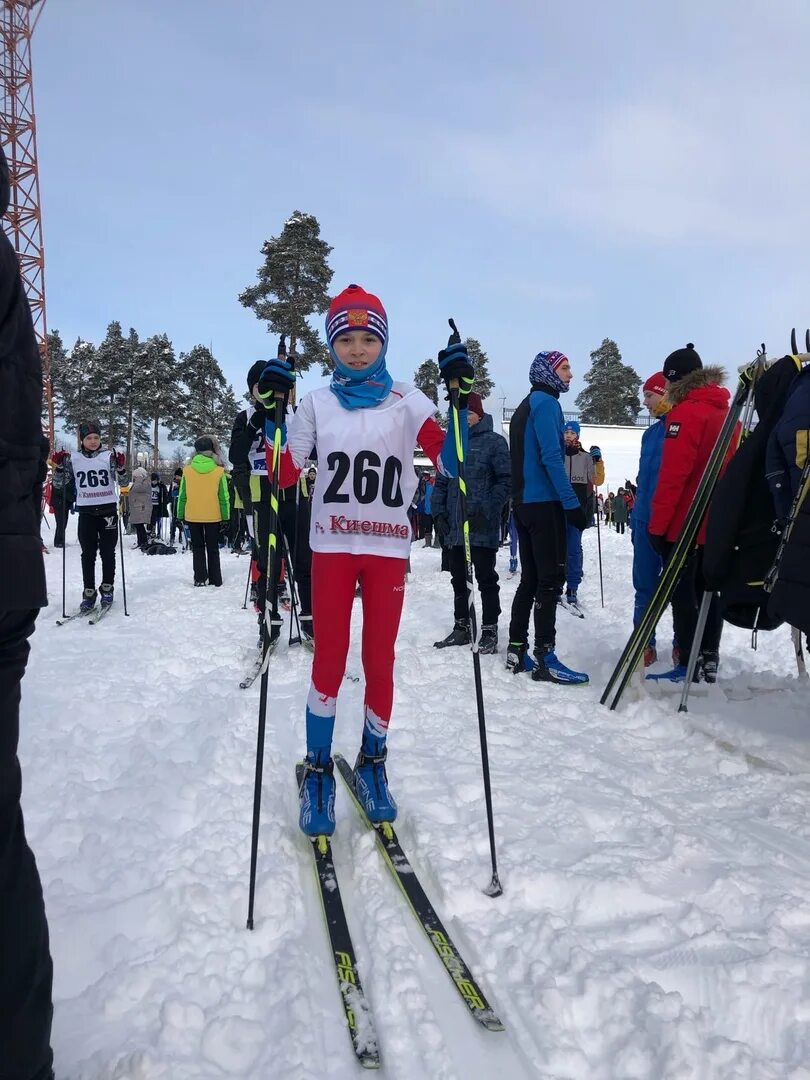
column 203, row 503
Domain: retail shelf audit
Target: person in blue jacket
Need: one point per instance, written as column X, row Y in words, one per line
column 647, row 563
column 545, row 503
column 488, row 479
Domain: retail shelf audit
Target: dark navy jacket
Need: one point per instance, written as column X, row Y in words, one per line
column 538, row 451
column 652, row 447
column 487, row 478
column 788, row 445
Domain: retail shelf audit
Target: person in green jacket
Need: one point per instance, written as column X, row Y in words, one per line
column 203, row 503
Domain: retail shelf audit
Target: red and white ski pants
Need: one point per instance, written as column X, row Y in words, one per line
column 382, row 591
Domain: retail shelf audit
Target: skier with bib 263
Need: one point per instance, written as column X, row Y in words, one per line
column 366, row 427
column 544, row 503
column 94, row 473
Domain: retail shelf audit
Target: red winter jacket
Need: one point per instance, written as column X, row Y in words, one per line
column 699, row 410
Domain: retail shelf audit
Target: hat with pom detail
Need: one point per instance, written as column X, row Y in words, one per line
column 681, row 362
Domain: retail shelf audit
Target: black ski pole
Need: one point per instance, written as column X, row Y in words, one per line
column 270, row 605
column 123, row 570
column 294, row 639
column 64, row 536
column 494, row 888
column 599, row 548
column 247, row 583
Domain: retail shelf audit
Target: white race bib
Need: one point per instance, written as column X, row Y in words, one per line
column 95, row 480
column 257, row 456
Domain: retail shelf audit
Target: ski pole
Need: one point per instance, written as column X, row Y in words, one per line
column 64, row 536
column 494, row 888
column 294, row 639
column 270, row 605
column 599, row 549
column 247, row 583
column 694, row 653
column 123, row 570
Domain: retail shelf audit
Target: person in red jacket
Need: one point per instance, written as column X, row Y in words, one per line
column 699, row 408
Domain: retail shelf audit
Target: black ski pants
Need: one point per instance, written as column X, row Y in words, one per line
column 686, row 601
column 542, row 548
column 98, row 534
column 61, row 513
column 483, row 560
column 26, row 971
column 205, row 550
column 294, row 523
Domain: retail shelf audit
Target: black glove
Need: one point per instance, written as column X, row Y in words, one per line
column 258, row 416
column 454, row 364
column 659, row 544
column 277, row 378
column 576, row 517
column 441, row 525
column 478, row 522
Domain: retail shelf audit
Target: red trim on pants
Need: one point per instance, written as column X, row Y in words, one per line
column 382, row 585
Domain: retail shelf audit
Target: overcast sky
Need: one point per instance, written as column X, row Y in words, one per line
column 548, row 173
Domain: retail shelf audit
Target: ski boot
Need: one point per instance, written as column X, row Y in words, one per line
column 676, row 675
column 488, row 642
column 107, row 595
column 88, row 601
column 307, row 637
column 650, row 655
column 708, row 666
column 517, row 657
column 570, row 603
column 459, row 635
column 549, row 669
column 371, row 785
column 512, row 567
column 316, row 797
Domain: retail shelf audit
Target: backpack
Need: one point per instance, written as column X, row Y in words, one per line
column 157, row 547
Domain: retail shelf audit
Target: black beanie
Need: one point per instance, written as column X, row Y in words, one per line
column 204, row 444
column 255, row 373
column 681, row 362
column 88, row 427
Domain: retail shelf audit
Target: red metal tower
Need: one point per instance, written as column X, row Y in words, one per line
column 18, row 134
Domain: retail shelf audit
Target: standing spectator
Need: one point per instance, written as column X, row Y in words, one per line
column 160, row 504
column 598, row 480
column 26, row 972
column 581, row 472
column 487, row 475
column 544, row 504
column 174, row 495
column 140, row 505
column 620, row 511
column 203, row 503
column 427, row 509
column 699, row 408
column 647, row 563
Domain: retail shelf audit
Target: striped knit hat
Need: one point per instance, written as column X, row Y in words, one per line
column 356, row 309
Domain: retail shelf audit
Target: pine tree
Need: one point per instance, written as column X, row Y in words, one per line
column 207, row 404
column 483, row 383
column 611, row 393
column 76, row 400
column 57, row 358
column 110, row 380
column 427, row 378
column 159, row 379
column 293, row 284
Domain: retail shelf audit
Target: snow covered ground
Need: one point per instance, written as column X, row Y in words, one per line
column 655, row 921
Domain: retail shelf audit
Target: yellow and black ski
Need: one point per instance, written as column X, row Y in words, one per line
column 355, row 1003
column 425, row 913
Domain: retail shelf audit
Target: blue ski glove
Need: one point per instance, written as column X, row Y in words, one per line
column 454, row 363
column 277, row 378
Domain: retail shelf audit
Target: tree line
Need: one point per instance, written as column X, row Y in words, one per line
column 134, row 388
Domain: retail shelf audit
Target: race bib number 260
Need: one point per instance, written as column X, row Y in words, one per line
column 367, row 477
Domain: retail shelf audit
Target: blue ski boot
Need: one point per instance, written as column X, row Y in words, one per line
column 316, row 797
column 549, row 669
column 88, row 601
column 371, row 785
column 676, row 675
column 513, row 566
column 517, row 657
column 107, row 595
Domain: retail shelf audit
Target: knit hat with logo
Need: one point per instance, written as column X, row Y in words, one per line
column 656, row 384
column 356, row 309
column 681, row 362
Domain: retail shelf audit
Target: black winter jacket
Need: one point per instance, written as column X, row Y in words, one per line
column 23, row 447
column 243, row 436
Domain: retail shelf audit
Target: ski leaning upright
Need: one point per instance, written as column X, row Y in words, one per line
column 355, row 1003
column 684, row 545
column 397, row 861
